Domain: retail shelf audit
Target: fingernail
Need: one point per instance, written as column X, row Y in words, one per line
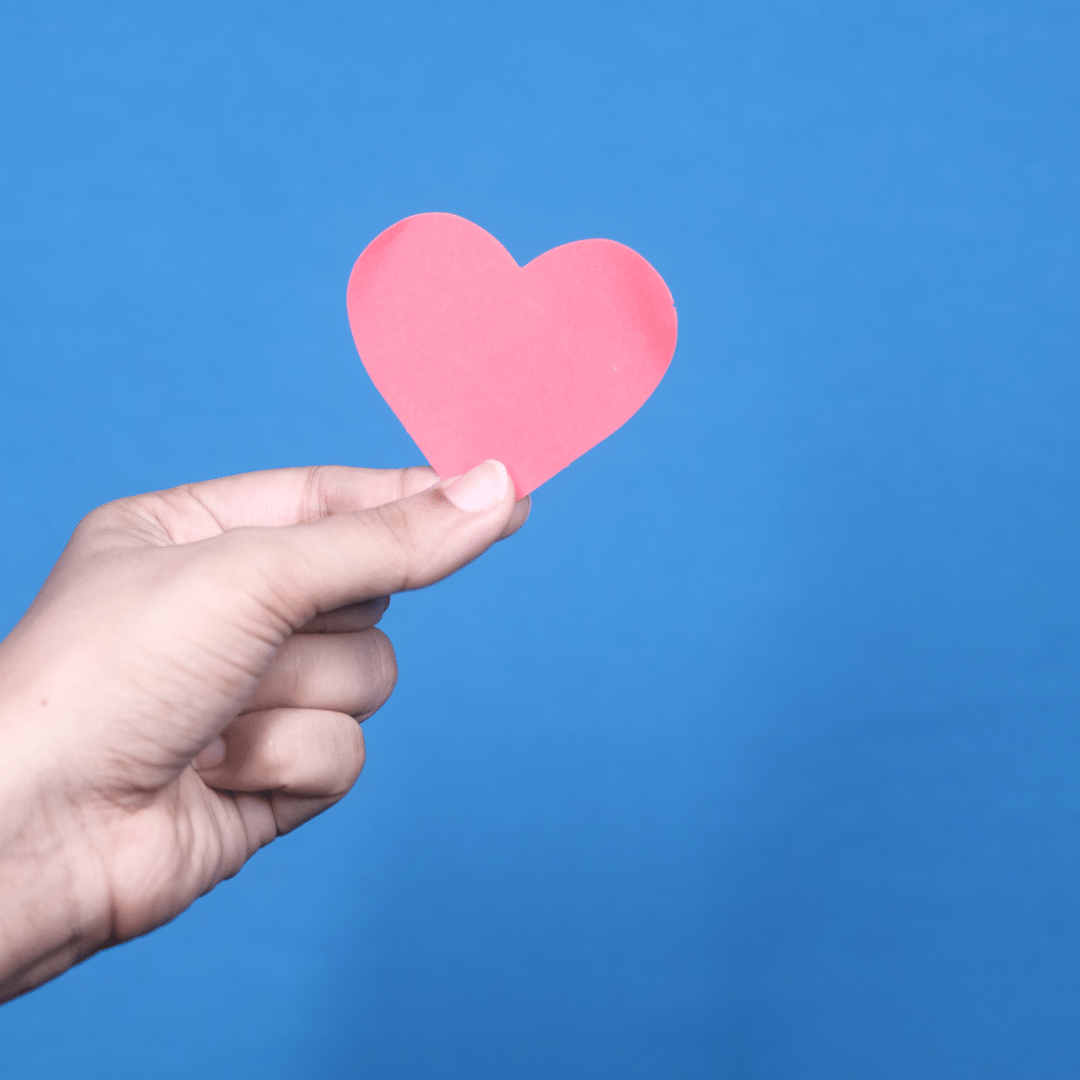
column 480, row 488
column 211, row 756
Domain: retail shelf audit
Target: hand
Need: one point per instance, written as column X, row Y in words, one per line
column 187, row 685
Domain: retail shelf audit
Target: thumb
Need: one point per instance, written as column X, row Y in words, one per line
column 350, row 557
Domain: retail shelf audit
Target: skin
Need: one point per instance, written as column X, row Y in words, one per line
column 188, row 683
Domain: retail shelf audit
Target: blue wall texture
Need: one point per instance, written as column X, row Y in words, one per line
column 757, row 753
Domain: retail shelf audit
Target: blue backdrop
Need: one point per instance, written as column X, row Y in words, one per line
column 756, row 754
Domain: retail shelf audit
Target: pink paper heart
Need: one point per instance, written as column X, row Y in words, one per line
column 481, row 358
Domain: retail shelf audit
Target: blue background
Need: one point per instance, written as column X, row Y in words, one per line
column 756, row 753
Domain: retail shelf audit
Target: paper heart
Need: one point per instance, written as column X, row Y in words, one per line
column 481, row 358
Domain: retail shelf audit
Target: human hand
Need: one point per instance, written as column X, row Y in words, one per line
column 187, row 684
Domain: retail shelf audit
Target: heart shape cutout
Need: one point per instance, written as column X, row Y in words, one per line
column 481, row 358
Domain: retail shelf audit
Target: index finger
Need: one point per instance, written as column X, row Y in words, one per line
column 274, row 497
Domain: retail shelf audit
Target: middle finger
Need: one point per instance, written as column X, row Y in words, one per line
column 349, row 672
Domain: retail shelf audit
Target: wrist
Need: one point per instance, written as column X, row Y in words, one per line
column 53, row 904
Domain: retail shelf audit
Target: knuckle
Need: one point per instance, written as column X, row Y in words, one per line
column 399, row 543
column 317, row 484
column 336, row 765
column 389, row 667
column 98, row 516
column 351, row 757
column 311, row 753
column 380, row 672
column 106, row 518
